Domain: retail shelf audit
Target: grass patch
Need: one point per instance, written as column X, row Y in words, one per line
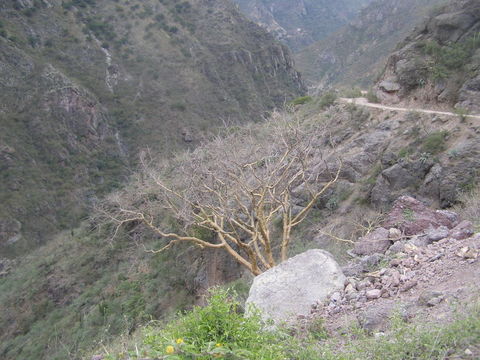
column 327, row 100
column 372, row 97
column 435, row 142
column 301, row 100
column 352, row 93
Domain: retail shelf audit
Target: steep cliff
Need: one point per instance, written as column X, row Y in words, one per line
column 88, row 84
column 354, row 54
column 298, row 23
column 439, row 63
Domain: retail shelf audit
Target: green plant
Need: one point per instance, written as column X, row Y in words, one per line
column 317, row 330
column 435, row 142
column 218, row 330
column 301, row 100
column 178, row 106
column 409, row 215
column 327, row 99
column 451, row 57
column 462, row 113
column 372, row 97
column 352, row 93
column 404, row 152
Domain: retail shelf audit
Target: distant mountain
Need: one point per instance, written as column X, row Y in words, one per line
column 299, row 23
column 356, row 53
column 439, row 62
column 87, row 84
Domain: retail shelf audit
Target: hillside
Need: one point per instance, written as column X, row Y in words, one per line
column 298, row 23
column 86, row 283
column 439, row 63
column 87, row 85
column 354, row 54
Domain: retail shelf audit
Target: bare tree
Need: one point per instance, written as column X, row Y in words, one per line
column 242, row 188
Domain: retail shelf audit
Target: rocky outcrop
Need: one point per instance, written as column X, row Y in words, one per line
column 418, row 279
column 439, row 61
column 288, row 290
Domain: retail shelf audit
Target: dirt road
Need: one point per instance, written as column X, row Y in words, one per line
column 364, row 102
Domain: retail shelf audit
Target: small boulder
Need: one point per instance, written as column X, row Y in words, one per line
column 389, row 86
column 291, row 288
column 430, row 298
column 373, row 294
column 436, row 234
column 397, row 247
column 377, row 241
column 394, row 234
column 462, row 231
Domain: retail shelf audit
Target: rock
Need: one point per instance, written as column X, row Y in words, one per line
column 336, row 297
column 375, row 317
column 462, row 231
column 394, row 234
column 430, row 298
column 418, row 241
column 450, row 215
column 291, row 288
column 397, row 247
column 436, row 234
column 469, row 95
column 373, row 294
column 349, row 288
column 467, row 253
column 375, row 242
column 370, row 261
column 352, row 269
column 10, row 231
column 389, row 86
column 412, row 217
column 408, row 285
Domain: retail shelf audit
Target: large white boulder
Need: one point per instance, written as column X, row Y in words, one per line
column 291, row 288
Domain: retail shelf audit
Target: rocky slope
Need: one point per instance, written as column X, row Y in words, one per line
column 298, row 23
column 439, row 62
column 430, row 261
column 354, row 54
column 87, row 84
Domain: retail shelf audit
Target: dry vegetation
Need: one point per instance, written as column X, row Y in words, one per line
column 236, row 194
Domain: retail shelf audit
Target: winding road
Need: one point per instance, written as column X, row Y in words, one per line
column 364, row 102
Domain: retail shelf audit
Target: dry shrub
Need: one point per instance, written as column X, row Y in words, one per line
column 469, row 207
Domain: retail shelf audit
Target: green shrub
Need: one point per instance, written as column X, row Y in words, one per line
column 178, row 106
column 450, row 57
column 218, row 330
column 435, row 142
column 301, row 100
column 327, row 99
column 352, row 93
column 462, row 113
column 372, row 97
